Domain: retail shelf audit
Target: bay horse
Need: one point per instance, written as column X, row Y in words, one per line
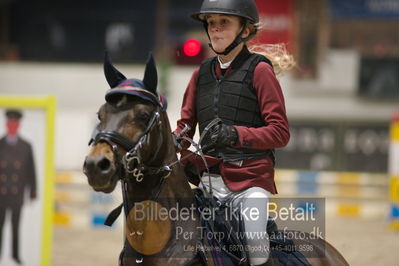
column 133, row 144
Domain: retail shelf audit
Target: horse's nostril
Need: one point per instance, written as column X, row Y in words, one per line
column 88, row 165
column 104, row 164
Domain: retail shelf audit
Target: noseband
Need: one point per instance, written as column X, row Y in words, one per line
column 131, row 162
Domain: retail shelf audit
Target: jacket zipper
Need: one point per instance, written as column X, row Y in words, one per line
column 216, row 100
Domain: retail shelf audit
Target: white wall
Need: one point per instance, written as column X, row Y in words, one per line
column 80, row 90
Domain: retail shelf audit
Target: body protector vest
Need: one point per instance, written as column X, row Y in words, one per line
column 233, row 99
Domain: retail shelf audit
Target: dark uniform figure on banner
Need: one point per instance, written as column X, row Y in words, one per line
column 17, row 176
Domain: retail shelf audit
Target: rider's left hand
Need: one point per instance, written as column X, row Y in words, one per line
column 224, row 135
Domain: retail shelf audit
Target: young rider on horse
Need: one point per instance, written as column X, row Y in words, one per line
column 240, row 88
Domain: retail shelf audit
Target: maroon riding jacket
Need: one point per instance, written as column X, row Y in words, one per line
column 255, row 172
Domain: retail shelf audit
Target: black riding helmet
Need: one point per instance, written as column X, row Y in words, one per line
column 245, row 9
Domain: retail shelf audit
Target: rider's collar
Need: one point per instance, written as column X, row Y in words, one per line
column 241, row 58
column 224, row 65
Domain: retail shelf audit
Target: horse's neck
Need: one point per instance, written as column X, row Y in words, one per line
column 177, row 184
column 173, row 187
column 163, row 152
column 174, row 193
column 185, row 230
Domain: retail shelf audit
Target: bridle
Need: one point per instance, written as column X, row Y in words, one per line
column 130, row 164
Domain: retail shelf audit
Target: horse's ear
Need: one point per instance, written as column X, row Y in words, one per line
column 150, row 75
column 113, row 76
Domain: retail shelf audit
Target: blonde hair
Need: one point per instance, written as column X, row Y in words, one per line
column 277, row 54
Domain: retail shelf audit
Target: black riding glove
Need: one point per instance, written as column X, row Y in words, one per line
column 223, row 135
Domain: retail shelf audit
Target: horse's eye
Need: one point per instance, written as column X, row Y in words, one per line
column 143, row 115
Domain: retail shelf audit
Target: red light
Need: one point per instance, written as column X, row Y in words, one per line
column 192, row 47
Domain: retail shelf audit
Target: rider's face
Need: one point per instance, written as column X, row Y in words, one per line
column 222, row 30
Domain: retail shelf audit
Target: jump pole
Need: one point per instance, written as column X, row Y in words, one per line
column 393, row 170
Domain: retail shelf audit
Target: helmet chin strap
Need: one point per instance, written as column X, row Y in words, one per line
column 229, row 48
column 235, row 42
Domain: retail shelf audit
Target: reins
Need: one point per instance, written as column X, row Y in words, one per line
column 132, row 157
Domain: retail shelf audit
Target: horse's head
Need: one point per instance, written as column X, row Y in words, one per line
column 130, row 129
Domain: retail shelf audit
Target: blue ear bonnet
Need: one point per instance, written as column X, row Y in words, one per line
column 136, row 87
column 145, row 89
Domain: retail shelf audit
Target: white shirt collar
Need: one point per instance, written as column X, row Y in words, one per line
column 224, row 65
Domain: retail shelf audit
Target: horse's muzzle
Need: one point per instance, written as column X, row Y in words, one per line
column 100, row 172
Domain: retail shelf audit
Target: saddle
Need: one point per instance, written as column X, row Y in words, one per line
column 228, row 250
